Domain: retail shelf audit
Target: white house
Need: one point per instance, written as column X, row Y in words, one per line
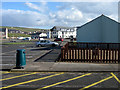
column 102, row 29
column 43, row 35
column 3, row 33
column 49, row 34
column 63, row 32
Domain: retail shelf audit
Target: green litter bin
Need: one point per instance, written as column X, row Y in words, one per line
column 20, row 58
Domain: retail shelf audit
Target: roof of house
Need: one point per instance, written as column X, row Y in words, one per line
column 63, row 27
column 97, row 18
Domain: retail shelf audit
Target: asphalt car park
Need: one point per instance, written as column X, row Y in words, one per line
column 60, row 81
column 51, row 80
column 32, row 53
column 9, row 54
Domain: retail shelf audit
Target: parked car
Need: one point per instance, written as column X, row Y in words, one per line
column 46, row 43
column 58, row 39
column 20, row 38
column 13, row 41
column 41, row 39
column 27, row 38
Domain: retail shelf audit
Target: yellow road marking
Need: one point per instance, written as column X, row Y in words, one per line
column 115, row 77
column 17, row 76
column 31, row 81
column 4, row 72
column 63, row 81
column 96, row 83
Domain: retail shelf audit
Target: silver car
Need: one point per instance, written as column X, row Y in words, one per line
column 43, row 43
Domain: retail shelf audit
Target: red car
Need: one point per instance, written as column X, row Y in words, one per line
column 58, row 39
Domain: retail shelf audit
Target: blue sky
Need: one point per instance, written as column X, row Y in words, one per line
column 22, row 5
column 49, row 14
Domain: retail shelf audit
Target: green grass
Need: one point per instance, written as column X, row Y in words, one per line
column 18, row 35
column 13, row 43
column 23, row 29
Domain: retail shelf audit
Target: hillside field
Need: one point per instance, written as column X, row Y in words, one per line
column 23, row 29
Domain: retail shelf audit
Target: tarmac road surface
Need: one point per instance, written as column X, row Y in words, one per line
column 60, row 81
column 8, row 55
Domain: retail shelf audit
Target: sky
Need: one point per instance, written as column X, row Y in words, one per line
column 48, row 14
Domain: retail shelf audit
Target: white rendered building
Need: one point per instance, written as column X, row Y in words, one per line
column 43, row 35
column 63, row 32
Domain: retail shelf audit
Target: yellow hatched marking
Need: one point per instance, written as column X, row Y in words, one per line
column 115, row 77
column 64, row 81
column 31, row 81
column 96, row 83
column 4, row 72
column 17, row 76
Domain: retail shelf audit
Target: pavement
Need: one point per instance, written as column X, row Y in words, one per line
column 46, row 63
column 43, row 60
column 68, row 67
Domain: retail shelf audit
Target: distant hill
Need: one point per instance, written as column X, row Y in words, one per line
column 24, row 29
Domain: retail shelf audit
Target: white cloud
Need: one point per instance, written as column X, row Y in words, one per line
column 70, row 14
column 91, row 10
column 22, row 18
column 61, row 0
column 43, row 2
column 42, row 7
column 93, row 7
column 67, row 16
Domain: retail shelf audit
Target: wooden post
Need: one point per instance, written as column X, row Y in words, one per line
column 118, row 55
column 62, row 54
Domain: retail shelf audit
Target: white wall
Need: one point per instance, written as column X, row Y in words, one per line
column 59, row 34
column 6, row 33
column 49, row 34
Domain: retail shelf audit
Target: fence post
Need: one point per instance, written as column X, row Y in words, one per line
column 62, row 54
column 107, row 46
column 104, row 53
column 118, row 55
